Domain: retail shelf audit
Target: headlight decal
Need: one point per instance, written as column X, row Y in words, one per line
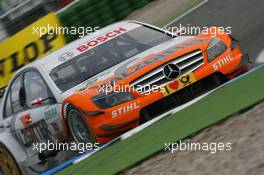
column 105, row 101
column 215, row 49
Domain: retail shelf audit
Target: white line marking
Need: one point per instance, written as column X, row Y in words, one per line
column 89, row 154
column 260, row 58
column 186, row 13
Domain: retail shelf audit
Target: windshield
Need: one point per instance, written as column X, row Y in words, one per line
column 105, row 56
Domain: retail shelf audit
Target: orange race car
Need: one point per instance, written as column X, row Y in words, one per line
column 130, row 72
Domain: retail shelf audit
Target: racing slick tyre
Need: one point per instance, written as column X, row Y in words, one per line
column 8, row 164
column 79, row 129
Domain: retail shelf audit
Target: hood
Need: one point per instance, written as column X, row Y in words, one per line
column 136, row 66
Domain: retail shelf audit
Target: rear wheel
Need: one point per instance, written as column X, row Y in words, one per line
column 80, row 131
column 8, row 164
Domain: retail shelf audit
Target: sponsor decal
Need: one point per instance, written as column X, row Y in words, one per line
column 101, row 39
column 125, row 109
column 26, row 120
column 36, row 132
column 25, row 47
column 128, row 69
column 51, row 114
column 222, row 62
column 178, row 84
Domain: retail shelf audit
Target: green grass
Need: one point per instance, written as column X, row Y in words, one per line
column 191, row 5
column 223, row 103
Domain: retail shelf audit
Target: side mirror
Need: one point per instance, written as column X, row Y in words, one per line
column 2, row 92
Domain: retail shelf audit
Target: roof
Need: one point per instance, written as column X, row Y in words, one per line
column 70, row 50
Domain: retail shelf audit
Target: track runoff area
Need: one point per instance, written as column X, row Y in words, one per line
column 248, row 88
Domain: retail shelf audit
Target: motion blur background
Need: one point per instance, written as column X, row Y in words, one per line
column 18, row 18
column 17, row 14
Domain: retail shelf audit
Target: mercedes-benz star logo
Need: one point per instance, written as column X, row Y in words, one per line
column 66, row 56
column 171, row 71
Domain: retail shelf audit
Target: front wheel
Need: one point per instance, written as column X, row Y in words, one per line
column 8, row 164
column 80, row 131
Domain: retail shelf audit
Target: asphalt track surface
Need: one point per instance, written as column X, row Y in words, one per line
column 246, row 17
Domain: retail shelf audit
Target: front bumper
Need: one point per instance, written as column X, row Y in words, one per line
column 106, row 127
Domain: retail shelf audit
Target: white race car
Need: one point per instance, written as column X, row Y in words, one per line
column 59, row 96
column 32, row 107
